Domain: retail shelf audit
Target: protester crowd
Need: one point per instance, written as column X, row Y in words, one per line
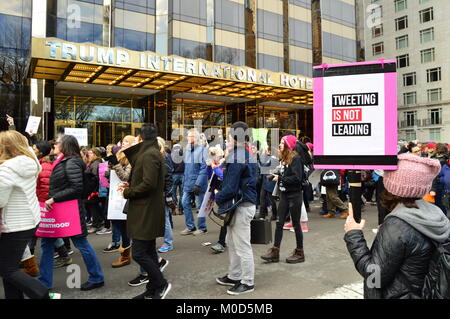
column 246, row 179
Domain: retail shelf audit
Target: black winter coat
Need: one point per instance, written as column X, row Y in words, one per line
column 66, row 183
column 292, row 176
column 400, row 252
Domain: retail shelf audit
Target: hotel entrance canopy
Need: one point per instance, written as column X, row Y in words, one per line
column 55, row 59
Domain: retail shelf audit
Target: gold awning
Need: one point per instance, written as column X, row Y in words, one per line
column 54, row 59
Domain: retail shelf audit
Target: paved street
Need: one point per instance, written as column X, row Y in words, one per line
column 327, row 273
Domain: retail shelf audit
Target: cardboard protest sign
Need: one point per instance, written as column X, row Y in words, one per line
column 81, row 134
column 33, row 124
column 355, row 116
column 116, row 202
column 62, row 221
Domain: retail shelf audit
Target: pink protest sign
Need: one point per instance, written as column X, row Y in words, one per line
column 355, row 116
column 102, row 169
column 62, row 221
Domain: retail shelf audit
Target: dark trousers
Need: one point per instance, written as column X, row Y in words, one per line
column 289, row 204
column 222, row 236
column 382, row 212
column 144, row 253
column 96, row 211
column 263, row 203
column 15, row 282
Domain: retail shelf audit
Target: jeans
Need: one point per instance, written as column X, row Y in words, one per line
column 168, row 233
column 89, row 257
column 15, row 282
column 242, row 264
column 177, row 184
column 119, row 230
column 144, row 253
column 289, row 204
column 189, row 217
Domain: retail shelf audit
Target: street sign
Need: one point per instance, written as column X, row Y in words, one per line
column 355, row 116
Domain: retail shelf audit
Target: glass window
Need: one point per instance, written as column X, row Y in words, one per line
column 400, row 5
column 229, row 15
column 410, row 118
column 378, row 48
column 193, row 11
column 377, row 31
column 339, row 12
column 409, row 79
column 300, row 68
column 142, row 6
column 15, row 35
column 410, row 98
column 269, row 62
column 401, row 23
column 410, row 135
column 270, row 26
column 427, row 35
column 229, row 55
column 434, row 95
column 426, row 15
column 300, row 33
column 134, row 40
column 401, row 42
column 434, row 75
column 427, row 55
column 435, row 116
column 435, row 134
column 423, row 1
column 403, row 61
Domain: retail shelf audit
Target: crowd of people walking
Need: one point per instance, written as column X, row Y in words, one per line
column 246, row 179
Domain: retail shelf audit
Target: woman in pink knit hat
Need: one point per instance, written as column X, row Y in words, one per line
column 290, row 185
column 396, row 265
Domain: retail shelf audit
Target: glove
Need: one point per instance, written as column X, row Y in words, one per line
column 113, row 160
column 171, row 203
column 197, row 190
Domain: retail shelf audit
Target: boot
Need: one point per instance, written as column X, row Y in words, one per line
column 298, row 256
column 124, row 259
column 30, row 267
column 273, row 255
column 344, row 214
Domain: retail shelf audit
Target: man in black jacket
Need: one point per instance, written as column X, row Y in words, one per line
column 239, row 180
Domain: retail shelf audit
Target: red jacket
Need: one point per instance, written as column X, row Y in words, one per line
column 43, row 181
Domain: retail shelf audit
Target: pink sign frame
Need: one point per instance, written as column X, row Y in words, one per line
column 390, row 90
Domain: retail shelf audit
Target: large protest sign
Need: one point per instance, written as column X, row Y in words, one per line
column 355, row 116
column 116, row 201
column 63, row 220
column 81, row 134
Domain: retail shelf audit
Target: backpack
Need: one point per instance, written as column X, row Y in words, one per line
column 436, row 285
column 330, row 178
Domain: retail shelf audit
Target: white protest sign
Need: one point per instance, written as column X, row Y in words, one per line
column 116, row 201
column 33, row 124
column 81, row 134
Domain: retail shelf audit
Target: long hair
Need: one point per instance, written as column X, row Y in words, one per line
column 162, row 145
column 287, row 155
column 13, row 144
column 390, row 201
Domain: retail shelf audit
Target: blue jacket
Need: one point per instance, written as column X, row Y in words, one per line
column 195, row 169
column 236, row 175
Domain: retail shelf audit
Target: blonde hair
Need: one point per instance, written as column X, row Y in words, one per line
column 13, row 144
column 121, row 155
column 162, row 145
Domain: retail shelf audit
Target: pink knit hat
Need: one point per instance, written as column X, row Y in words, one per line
column 413, row 177
column 310, row 145
column 290, row 141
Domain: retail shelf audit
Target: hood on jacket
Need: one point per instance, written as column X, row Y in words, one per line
column 428, row 220
column 23, row 166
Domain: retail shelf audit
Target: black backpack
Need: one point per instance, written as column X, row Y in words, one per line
column 437, row 280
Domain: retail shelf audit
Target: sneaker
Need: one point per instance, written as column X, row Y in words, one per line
column 104, row 231
column 218, row 248
column 225, row 281
column 112, row 247
column 139, row 280
column 54, row 295
column 165, row 249
column 93, row 230
column 304, row 226
column 187, row 231
column 161, row 293
column 70, row 252
column 163, row 264
column 288, row 226
column 200, row 232
column 240, row 288
column 62, row 262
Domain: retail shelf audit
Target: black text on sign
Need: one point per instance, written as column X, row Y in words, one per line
column 352, row 129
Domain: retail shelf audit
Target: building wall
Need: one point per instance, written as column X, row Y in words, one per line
column 421, row 127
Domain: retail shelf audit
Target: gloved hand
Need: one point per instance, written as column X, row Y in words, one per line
column 112, row 160
column 171, row 203
column 197, row 190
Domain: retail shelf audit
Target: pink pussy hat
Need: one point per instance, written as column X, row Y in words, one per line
column 413, row 177
column 290, row 141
